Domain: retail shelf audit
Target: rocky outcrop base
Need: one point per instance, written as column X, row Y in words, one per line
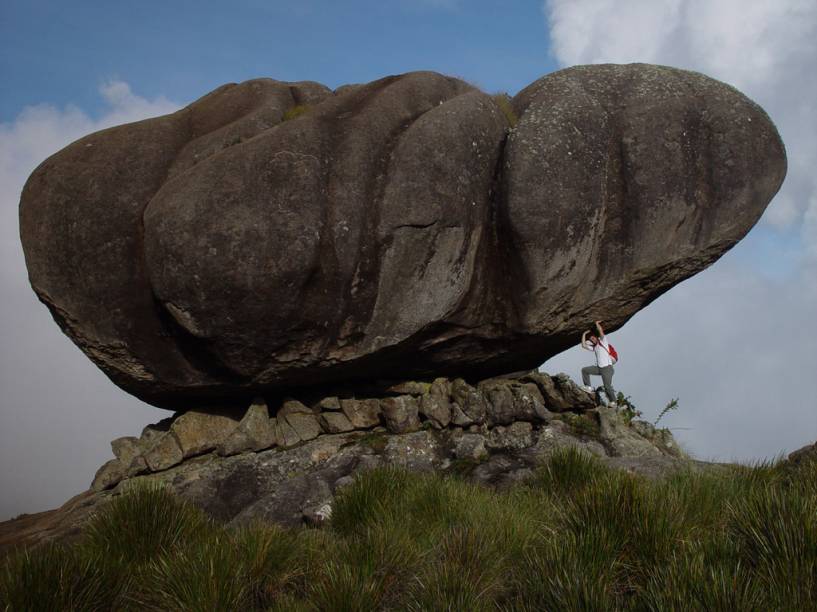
column 406, row 407
column 286, row 464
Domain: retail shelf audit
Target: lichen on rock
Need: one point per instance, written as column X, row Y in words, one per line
column 397, row 230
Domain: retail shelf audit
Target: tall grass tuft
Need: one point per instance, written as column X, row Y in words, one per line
column 273, row 560
column 206, row 574
column 372, row 496
column 346, row 588
column 577, row 537
column 573, row 571
column 697, row 579
column 465, row 572
column 700, row 497
column 144, row 523
column 801, row 478
column 382, row 560
column 776, row 532
column 289, row 602
column 53, row 577
column 568, row 471
column 643, row 526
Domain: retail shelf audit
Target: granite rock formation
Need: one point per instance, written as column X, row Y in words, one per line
column 284, row 461
column 274, row 235
column 491, row 405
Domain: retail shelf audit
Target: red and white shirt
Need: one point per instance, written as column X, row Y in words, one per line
column 601, row 349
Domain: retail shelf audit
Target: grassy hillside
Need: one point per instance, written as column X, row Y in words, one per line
column 577, row 537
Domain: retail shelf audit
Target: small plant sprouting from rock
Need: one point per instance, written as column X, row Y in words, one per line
column 374, row 440
column 584, row 426
column 295, row 111
column 232, row 140
column 626, row 407
column 503, row 101
column 672, row 405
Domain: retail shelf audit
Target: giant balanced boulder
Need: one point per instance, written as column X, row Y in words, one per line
column 272, row 234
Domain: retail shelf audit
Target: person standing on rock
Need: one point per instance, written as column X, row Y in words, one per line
column 604, row 362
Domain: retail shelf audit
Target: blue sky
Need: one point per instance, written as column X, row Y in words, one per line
column 59, row 52
column 71, row 68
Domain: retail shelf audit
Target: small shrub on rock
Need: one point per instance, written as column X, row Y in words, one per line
column 583, row 426
column 626, row 407
column 503, row 101
column 295, row 112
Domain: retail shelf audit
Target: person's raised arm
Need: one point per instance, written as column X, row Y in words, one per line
column 599, row 327
column 584, row 341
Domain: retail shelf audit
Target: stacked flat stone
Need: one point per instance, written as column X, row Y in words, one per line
column 407, row 407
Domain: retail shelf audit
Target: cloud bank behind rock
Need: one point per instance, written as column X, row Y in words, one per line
column 739, row 334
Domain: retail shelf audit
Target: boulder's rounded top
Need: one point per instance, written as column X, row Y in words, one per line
column 275, row 234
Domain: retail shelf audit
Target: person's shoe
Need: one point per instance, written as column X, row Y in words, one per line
column 588, row 389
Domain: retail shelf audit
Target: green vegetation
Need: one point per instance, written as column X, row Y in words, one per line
column 463, row 467
column 584, row 426
column 295, row 111
column 626, row 407
column 576, row 537
column 377, row 441
column 503, row 101
column 671, row 405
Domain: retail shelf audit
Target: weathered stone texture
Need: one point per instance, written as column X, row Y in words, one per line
column 165, row 452
column 400, row 414
column 295, row 481
column 335, row 422
column 362, row 414
column 198, row 432
column 396, row 229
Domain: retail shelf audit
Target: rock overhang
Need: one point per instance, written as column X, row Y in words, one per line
column 394, row 229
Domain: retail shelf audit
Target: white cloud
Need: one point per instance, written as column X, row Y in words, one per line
column 58, row 411
column 810, row 227
column 766, row 49
column 580, row 31
column 125, row 106
column 38, row 131
column 735, row 348
column 735, row 343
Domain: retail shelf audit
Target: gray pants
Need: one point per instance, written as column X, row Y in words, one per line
column 606, row 374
